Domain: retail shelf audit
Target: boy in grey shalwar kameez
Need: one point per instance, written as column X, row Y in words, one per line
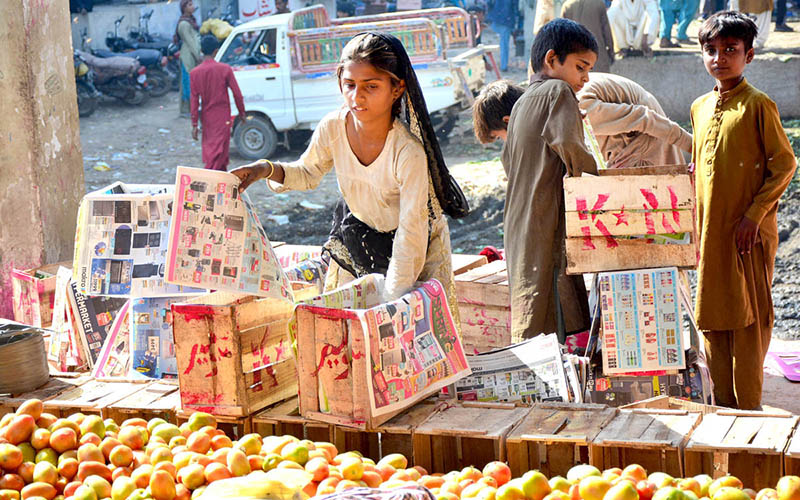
column 544, row 143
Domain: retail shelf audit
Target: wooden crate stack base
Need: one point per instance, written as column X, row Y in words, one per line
column 394, row 436
column 653, row 439
column 285, row 419
column 234, row 427
column 466, row 434
column 484, row 305
column 555, row 436
column 91, row 398
column 671, row 403
column 748, row 445
column 53, row 387
column 155, row 400
column 791, row 459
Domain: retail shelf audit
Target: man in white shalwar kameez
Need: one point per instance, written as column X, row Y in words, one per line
column 634, row 24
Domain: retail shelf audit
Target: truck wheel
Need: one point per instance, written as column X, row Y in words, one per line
column 443, row 124
column 256, row 139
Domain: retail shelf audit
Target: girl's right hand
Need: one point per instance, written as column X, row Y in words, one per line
column 250, row 173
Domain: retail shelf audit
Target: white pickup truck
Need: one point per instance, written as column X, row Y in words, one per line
column 285, row 66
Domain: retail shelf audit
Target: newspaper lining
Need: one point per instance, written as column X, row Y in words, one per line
column 216, row 240
column 641, row 321
column 121, row 242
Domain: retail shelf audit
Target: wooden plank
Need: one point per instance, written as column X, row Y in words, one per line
column 649, row 170
column 775, row 433
column 487, row 422
column 615, row 192
column 483, row 294
column 463, row 263
column 710, row 432
column 147, row 398
column 671, row 428
column 483, row 271
column 53, row 387
column 793, row 450
column 627, row 222
column 627, row 254
column 409, row 420
column 743, row 430
column 306, row 362
column 359, row 370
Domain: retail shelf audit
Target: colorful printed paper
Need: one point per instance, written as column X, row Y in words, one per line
column 121, row 242
column 93, row 316
column 529, row 371
column 115, row 357
column 641, row 321
column 217, row 241
column 152, row 343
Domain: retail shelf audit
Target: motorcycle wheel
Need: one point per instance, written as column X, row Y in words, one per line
column 87, row 102
column 157, row 83
column 135, row 97
column 174, row 67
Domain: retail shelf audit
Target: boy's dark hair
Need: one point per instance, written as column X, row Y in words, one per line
column 208, row 44
column 563, row 36
column 728, row 23
column 493, row 103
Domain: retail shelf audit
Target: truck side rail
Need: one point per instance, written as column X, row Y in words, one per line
column 315, row 16
column 459, row 27
column 318, row 50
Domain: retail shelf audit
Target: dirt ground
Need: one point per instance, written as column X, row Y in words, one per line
column 144, row 144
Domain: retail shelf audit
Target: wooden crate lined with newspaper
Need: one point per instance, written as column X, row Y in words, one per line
column 361, row 362
column 484, row 305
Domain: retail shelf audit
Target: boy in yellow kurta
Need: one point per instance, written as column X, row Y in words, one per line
column 743, row 164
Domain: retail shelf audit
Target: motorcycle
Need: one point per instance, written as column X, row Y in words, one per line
column 121, row 77
column 88, row 96
column 141, row 38
column 160, row 80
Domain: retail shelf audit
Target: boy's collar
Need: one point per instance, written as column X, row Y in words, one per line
column 732, row 92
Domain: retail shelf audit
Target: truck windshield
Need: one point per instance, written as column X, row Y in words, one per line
column 251, row 48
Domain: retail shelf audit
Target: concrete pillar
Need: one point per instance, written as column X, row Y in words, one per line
column 41, row 165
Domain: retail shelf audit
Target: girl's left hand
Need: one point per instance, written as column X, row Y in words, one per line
column 250, row 173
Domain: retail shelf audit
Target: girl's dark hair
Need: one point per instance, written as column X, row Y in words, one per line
column 728, row 23
column 495, row 101
column 374, row 50
column 563, row 36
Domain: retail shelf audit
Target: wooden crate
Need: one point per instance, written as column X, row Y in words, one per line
column 234, row 353
column 394, row 436
column 91, row 398
column 671, row 403
column 791, row 459
column 485, row 307
column 53, row 387
column 285, row 419
column 603, row 213
column 555, row 436
column 33, row 298
column 154, row 400
column 653, row 439
column 234, row 427
column 466, row 434
column 748, row 445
